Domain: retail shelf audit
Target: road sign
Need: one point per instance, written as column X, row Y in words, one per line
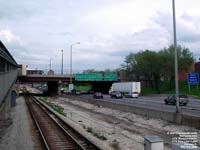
column 110, row 77
column 89, row 77
column 193, row 78
column 71, row 87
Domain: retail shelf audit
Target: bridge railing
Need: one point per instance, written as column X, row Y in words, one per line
column 7, row 79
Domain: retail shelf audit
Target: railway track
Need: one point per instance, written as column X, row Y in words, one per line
column 56, row 134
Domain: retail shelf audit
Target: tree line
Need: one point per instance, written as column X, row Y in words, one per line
column 152, row 67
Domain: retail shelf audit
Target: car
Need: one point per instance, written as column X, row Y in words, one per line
column 73, row 92
column 97, row 95
column 90, row 92
column 183, row 99
column 78, row 92
column 132, row 95
column 116, row 95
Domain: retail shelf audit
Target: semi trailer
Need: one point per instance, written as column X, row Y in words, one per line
column 128, row 89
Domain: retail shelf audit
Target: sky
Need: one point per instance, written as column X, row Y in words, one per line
column 35, row 31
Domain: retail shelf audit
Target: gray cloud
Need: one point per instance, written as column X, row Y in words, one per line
column 60, row 33
column 108, row 30
column 188, row 27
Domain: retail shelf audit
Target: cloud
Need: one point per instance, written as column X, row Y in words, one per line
column 60, row 33
column 9, row 36
column 12, row 42
column 188, row 27
column 35, row 31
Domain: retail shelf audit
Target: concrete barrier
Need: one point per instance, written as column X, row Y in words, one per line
column 181, row 119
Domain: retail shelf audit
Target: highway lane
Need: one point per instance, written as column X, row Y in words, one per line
column 194, row 104
column 154, row 102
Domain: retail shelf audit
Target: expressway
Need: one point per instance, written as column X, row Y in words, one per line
column 153, row 102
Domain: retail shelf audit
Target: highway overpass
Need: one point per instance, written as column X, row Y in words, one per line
column 52, row 81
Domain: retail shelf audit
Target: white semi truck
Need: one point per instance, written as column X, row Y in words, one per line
column 128, row 89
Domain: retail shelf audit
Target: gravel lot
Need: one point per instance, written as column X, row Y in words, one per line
column 122, row 130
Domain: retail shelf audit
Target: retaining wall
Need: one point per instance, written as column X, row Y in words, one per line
column 181, row 119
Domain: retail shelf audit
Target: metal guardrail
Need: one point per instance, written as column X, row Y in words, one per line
column 7, row 79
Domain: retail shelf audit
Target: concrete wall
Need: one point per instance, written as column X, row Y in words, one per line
column 7, row 81
column 181, row 119
column 5, row 106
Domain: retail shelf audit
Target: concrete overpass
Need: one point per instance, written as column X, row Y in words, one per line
column 43, row 78
column 53, row 81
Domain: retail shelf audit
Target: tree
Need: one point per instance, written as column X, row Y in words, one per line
column 89, row 71
column 100, row 71
column 185, row 60
column 143, row 65
column 151, row 66
column 128, row 66
column 148, row 66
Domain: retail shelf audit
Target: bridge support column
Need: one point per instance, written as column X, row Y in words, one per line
column 101, row 87
column 52, row 88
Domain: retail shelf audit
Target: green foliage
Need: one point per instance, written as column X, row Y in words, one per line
column 185, row 59
column 89, row 129
column 183, row 89
column 151, row 66
column 115, row 145
column 99, row 136
column 101, row 71
column 57, row 108
column 85, row 88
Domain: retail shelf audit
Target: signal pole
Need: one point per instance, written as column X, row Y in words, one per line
column 62, row 63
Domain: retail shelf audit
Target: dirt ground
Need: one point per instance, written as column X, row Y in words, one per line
column 122, row 130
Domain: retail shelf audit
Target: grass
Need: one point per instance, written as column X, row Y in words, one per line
column 97, row 135
column 164, row 89
column 78, row 87
column 115, row 145
column 57, row 108
column 83, row 87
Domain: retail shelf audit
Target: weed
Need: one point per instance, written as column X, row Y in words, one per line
column 89, row 129
column 99, row 136
column 115, row 145
column 57, row 108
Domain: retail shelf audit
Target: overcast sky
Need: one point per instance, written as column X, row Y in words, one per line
column 36, row 30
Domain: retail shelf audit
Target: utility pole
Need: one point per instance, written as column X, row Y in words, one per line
column 50, row 63
column 71, row 46
column 71, row 64
column 62, row 63
column 175, row 59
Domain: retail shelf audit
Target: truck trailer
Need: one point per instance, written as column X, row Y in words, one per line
column 128, row 89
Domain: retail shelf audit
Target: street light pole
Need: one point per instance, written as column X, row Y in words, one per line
column 62, row 63
column 175, row 59
column 70, row 64
column 50, row 64
column 71, row 46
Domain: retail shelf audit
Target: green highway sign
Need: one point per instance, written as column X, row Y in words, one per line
column 89, row 77
column 96, row 77
column 110, row 77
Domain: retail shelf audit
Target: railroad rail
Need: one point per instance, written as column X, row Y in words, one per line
column 56, row 134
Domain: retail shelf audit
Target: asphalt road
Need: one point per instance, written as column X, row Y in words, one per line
column 154, row 102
